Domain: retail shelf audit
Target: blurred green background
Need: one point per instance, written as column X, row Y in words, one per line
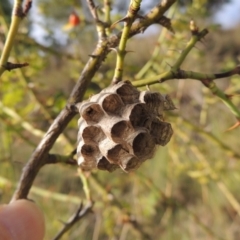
column 190, row 189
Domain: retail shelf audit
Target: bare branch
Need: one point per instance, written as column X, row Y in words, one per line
column 27, row 7
column 80, row 213
column 93, row 9
column 128, row 20
column 56, row 158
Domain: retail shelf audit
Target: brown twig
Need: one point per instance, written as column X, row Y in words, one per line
column 79, row 214
column 93, row 9
column 27, row 7
column 56, row 158
column 100, row 25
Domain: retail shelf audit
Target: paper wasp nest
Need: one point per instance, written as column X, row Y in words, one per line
column 120, row 127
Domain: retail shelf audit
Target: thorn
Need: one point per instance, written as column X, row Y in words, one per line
column 168, row 103
column 10, row 66
column 27, row 7
column 129, row 51
column 61, row 221
column 124, row 19
column 114, row 49
column 229, row 96
column 195, row 47
column 142, row 29
column 203, row 43
column 169, row 65
column 175, row 50
column 140, row 16
column 148, row 88
column 237, row 124
column 93, row 56
column 237, row 69
column 72, row 107
column 166, row 22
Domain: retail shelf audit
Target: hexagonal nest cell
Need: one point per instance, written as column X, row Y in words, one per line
column 120, row 128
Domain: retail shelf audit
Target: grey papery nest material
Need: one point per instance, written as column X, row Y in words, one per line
column 120, row 127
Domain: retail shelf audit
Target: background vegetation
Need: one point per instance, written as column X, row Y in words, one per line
column 190, row 189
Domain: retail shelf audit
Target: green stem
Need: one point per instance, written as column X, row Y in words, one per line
column 86, row 188
column 231, row 152
column 128, row 21
column 46, row 194
column 206, row 79
column 156, row 50
column 214, row 175
column 226, row 100
column 194, row 39
column 16, row 119
column 107, row 7
column 16, row 20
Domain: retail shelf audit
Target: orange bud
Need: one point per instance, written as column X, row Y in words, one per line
column 74, row 19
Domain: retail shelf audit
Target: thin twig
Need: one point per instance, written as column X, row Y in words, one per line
column 212, row 173
column 46, row 194
column 128, row 20
column 206, row 79
column 100, row 25
column 107, row 10
column 222, row 145
column 84, row 179
column 16, row 20
column 21, row 122
column 80, row 213
column 157, row 48
column 109, row 197
column 172, row 202
column 56, row 158
column 93, row 9
column 27, row 7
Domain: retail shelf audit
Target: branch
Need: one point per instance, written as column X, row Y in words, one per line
column 194, row 39
column 109, row 197
column 100, row 25
column 84, row 178
column 155, row 53
column 20, row 122
column 80, row 213
column 206, row 79
column 93, row 9
column 17, row 17
column 154, row 16
column 210, row 136
column 49, row 194
column 107, row 10
column 40, row 155
column 16, row 129
column 27, row 7
column 56, row 158
column 133, row 9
